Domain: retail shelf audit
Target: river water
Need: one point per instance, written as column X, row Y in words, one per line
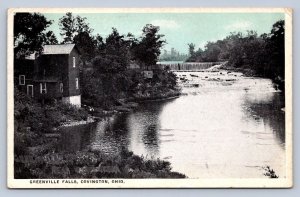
column 230, row 126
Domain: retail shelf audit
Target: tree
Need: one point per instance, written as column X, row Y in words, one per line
column 276, row 49
column 82, row 25
column 71, row 26
column 117, row 44
column 191, row 49
column 75, row 29
column 253, row 47
column 100, row 45
column 147, row 50
column 115, row 54
column 212, row 51
column 29, row 33
column 86, row 45
column 50, row 38
column 236, row 50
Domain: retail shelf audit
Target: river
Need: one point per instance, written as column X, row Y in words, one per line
column 230, row 126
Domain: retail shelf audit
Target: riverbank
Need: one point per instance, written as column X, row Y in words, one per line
column 37, row 153
column 129, row 104
column 171, row 94
column 89, row 164
column 248, row 72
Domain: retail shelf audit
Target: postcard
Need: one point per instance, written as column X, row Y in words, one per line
column 149, row 98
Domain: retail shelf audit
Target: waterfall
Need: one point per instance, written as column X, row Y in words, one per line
column 188, row 66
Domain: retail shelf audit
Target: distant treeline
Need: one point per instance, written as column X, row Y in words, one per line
column 173, row 55
column 262, row 54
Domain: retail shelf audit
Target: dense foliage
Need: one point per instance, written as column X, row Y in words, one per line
column 147, row 50
column 105, row 73
column 262, row 54
column 30, row 34
column 92, row 164
column 71, row 26
column 32, row 119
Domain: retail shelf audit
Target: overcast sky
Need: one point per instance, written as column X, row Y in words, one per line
column 179, row 29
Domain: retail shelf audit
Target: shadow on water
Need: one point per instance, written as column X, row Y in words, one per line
column 143, row 126
column 271, row 112
column 147, row 123
column 111, row 134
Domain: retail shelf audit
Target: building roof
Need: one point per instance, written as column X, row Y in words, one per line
column 58, row 49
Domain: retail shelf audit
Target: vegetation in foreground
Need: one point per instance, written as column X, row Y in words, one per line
column 92, row 164
column 270, row 173
column 46, row 162
column 32, row 121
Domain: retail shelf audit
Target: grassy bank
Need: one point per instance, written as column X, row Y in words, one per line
column 91, row 164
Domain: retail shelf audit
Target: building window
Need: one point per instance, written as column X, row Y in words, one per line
column 77, row 83
column 74, row 62
column 21, row 79
column 61, row 87
column 43, row 88
column 30, row 90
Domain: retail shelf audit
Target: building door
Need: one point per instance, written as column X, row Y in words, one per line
column 30, row 90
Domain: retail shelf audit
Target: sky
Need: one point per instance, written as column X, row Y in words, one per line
column 179, row 28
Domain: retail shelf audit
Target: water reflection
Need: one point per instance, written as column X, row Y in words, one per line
column 143, row 128
column 228, row 127
column 111, row 134
column 271, row 111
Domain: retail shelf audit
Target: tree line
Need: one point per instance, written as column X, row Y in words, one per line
column 173, row 55
column 105, row 76
column 30, row 35
column 263, row 54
